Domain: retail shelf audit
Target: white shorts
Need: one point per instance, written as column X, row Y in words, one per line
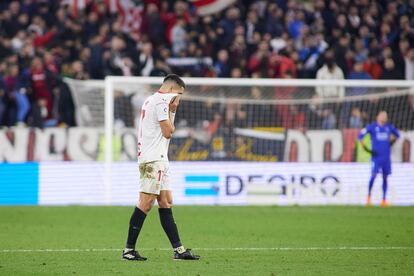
column 154, row 177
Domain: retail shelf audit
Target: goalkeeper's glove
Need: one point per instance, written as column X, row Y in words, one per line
column 372, row 152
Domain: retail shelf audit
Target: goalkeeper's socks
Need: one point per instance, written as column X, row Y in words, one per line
column 169, row 226
column 135, row 225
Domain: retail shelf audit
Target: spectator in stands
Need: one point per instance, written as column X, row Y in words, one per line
column 343, row 54
column 372, row 66
column 169, row 19
column 361, row 52
column 409, row 65
column 227, row 25
column 309, row 54
column 329, row 119
column 390, row 72
column 256, row 114
column 291, row 116
column 269, row 38
column 40, row 113
column 348, row 108
column 65, row 107
column 358, row 73
column 330, row 71
column 96, row 63
column 161, row 68
column 18, row 87
column 221, row 66
column 314, row 113
column 274, row 21
column 296, row 24
column 41, row 89
column 260, row 62
column 355, row 121
column 236, row 72
column 120, row 62
column 252, row 25
column 238, row 52
column 152, row 25
column 91, row 26
column 146, row 59
column 78, row 71
column 50, row 63
column 179, row 37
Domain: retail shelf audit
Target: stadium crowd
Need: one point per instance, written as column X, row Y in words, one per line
column 42, row 41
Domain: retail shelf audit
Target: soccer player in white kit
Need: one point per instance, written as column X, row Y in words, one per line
column 154, row 133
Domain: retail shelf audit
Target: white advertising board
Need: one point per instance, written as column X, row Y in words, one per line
column 227, row 183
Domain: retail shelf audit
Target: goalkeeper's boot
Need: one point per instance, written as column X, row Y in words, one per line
column 384, row 203
column 369, row 201
column 132, row 255
column 186, row 255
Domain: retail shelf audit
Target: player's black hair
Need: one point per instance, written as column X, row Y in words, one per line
column 175, row 78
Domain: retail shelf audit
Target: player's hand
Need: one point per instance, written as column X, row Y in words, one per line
column 368, row 150
column 174, row 103
column 393, row 140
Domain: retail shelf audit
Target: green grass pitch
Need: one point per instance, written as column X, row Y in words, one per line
column 251, row 241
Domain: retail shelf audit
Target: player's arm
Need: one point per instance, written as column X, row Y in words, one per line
column 395, row 134
column 361, row 136
column 167, row 128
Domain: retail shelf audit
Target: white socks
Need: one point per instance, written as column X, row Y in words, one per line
column 180, row 249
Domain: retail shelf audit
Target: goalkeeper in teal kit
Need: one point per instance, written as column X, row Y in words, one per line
column 383, row 136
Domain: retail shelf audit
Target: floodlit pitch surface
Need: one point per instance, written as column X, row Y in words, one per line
column 249, row 241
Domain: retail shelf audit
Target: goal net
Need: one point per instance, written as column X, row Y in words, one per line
column 248, row 119
column 255, row 120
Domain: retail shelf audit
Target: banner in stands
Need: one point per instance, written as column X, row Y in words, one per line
column 206, row 183
column 237, row 144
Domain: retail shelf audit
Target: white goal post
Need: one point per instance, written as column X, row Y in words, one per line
column 237, row 92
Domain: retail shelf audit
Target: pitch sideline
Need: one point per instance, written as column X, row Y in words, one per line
column 340, row 248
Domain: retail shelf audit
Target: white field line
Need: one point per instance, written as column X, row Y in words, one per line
column 340, row 248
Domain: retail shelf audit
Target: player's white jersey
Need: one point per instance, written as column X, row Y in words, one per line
column 152, row 145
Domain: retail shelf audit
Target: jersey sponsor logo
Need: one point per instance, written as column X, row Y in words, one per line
column 382, row 136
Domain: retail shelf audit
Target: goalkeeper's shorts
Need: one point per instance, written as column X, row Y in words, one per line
column 383, row 166
column 154, row 177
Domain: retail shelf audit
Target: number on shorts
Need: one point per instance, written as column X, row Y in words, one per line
column 159, row 175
